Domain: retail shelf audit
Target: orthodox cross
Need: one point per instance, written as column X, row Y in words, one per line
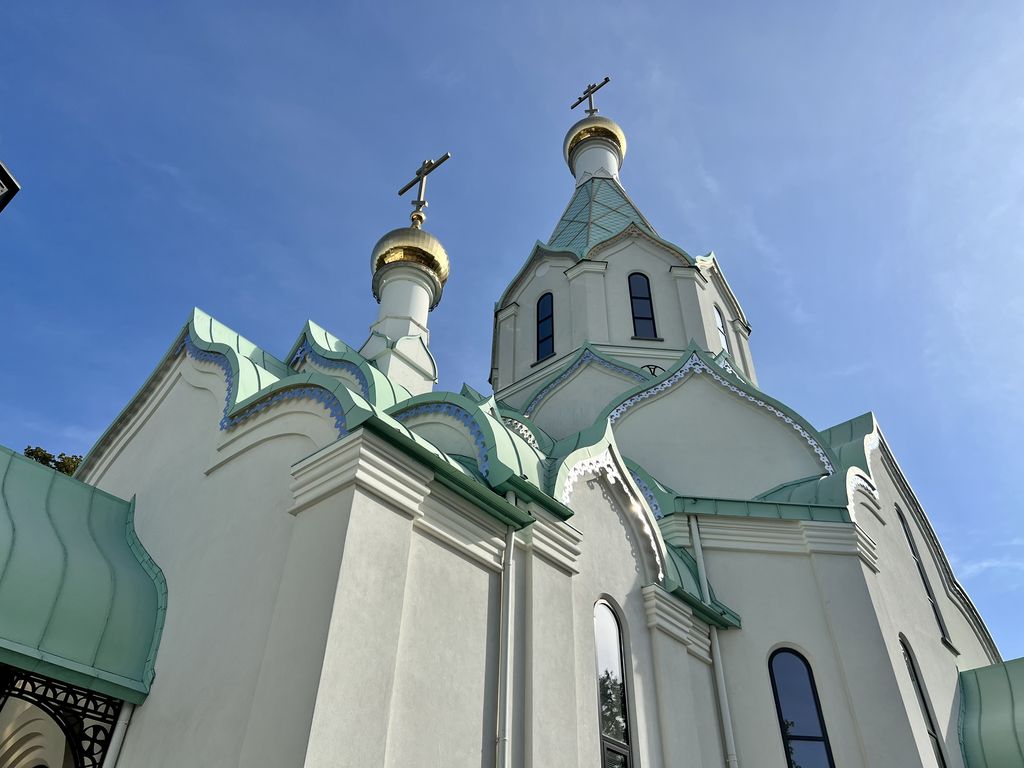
column 588, row 94
column 418, row 216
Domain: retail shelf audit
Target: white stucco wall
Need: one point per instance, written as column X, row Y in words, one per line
column 701, row 438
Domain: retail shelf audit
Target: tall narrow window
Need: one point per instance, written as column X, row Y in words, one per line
column 926, row 711
column 796, row 702
column 924, row 576
column 723, row 337
column 545, row 326
column 613, row 701
column 642, row 306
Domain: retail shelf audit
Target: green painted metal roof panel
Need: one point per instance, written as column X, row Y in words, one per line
column 599, row 210
column 79, row 596
column 992, row 715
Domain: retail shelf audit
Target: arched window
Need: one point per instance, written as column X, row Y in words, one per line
column 723, row 337
column 642, row 306
column 924, row 576
column 545, row 326
column 796, row 702
column 926, row 711
column 613, row 699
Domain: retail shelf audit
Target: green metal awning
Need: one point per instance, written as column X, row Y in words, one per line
column 992, row 715
column 81, row 600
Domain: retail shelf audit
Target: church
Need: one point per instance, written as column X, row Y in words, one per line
column 625, row 555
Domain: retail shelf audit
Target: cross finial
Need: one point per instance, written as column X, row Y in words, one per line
column 418, row 216
column 588, row 94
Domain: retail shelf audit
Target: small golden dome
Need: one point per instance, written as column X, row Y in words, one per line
column 412, row 246
column 594, row 127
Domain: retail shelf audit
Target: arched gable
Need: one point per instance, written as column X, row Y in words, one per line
column 600, row 461
column 571, row 399
column 319, row 350
column 705, row 432
column 538, row 256
column 454, row 424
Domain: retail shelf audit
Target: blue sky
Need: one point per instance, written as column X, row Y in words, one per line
column 857, row 167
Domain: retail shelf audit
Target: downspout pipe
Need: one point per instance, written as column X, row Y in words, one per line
column 716, row 650
column 502, row 745
column 117, row 737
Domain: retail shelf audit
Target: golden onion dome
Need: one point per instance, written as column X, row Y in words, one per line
column 410, row 245
column 594, row 127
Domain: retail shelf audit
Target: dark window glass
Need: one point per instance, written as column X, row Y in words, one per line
column 924, row 576
column 723, row 337
column 796, row 703
column 545, row 326
column 642, row 306
column 922, row 701
column 611, row 689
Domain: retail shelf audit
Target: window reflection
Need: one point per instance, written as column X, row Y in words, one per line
column 641, row 306
column 723, row 337
column 799, row 711
column 545, row 326
column 611, row 689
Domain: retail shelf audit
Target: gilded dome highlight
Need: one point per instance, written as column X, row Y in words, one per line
column 410, row 245
column 594, row 127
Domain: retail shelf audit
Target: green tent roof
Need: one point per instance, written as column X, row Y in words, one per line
column 81, row 600
column 600, row 209
column 992, row 715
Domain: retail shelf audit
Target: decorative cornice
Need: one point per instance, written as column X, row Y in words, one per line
column 586, row 357
column 676, row 620
column 228, row 420
column 306, row 352
column 696, row 365
column 554, row 541
column 604, row 465
column 457, row 414
column 652, row 500
column 522, row 430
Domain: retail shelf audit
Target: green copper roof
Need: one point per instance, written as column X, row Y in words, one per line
column 992, row 715
column 600, row 209
column 80, row 599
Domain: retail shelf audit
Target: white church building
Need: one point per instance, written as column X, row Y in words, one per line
column 626, row 555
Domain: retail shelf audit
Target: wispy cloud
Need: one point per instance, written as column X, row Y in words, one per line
column 977, row 567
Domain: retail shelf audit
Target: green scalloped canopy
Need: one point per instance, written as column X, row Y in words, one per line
column 599, row 210
column 992, row 716
column 81, row 600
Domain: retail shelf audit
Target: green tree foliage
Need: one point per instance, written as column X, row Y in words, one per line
column 613, row 711
column 66, row 463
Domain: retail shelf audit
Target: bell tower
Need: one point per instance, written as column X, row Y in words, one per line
column 606, row 280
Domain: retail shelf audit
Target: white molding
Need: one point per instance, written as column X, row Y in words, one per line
column 251, row 433
column 748, row 535
column 584, row 266
column 555, row 541
column 367, row 461
column 603, row 467
column 676, row 620
column 457, row 524
column 142, row 407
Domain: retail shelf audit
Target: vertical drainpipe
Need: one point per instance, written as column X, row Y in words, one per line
column 716, row 650
column 502, row 746
column 117, row 737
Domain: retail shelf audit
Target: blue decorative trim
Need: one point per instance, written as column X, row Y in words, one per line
column 461, row 415
column 587, row 357
column 317, row 394
column 306, row 352
column 652, row 500
column 221, row 362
